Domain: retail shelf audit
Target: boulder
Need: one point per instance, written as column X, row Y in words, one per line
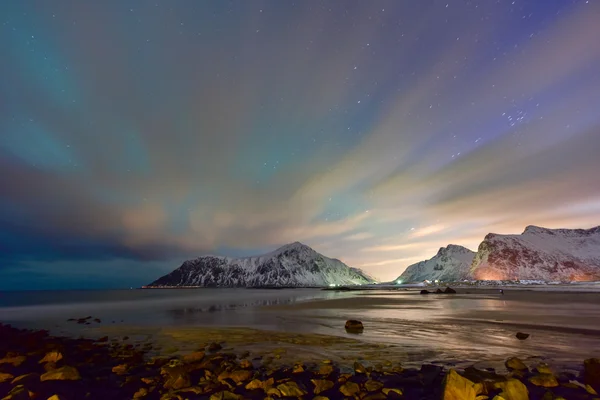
column 213, row 347
column 522, row 336
column 349, row 389
column 196, row 356
column 176, row 377
column 326, row 370
column 512, row 389
column 373, row 386
column 65, row 373
column 52, row 356
column 449, row 290
column 291, row 389
column 321, row 385
column 354, row 326
column 359, row 368
column 544, row 380
column 439, row 291
column 514, row 363
column 458, row 388
column 4, row 377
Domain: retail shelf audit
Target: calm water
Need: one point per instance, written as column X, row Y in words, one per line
column 462, row 328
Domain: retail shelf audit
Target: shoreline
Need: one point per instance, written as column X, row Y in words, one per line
column 36, row 364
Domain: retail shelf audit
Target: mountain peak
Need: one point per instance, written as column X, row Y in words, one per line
column 293, row 246
column 536, row 230
column 454, row 248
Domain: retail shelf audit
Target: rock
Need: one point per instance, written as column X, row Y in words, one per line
column 4, row 377
column 258, row 384
column 349, row 389
column 522, row 336
column 273, row 392
column 213, row 347
column 52, row 356
column 120, row 369
column 224, row 395
column 457, row 388
column 291, row 389
column 424, row 291
column 177, row 377
column 512, row 389
column 246, row 364
column 514, row 363
column 320, row 398
column 449, row 290
column 359, row 368
column 543, row 368
column 544, row 380
column 65, row 373
column 298, row 368
column 56, row 397
column 239, row 376
column 26, row 379
column 142, row 392
column 326, row 370
column 196, row 356
column 591, row 372
column 18, row 393
column 354, row 326
column 321, row 385
column 103, row 339
column 15, row 361
column 439, row 291
column 387, row 391
column 373, row 386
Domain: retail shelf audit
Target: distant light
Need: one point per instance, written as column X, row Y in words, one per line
column 399, row 282
column 332, row 285
column 437, row 281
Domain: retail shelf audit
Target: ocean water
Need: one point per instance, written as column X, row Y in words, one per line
column 462, row 329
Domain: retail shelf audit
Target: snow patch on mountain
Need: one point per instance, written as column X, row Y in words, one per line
column 450, row 264
column 540, row 254
column 294, row 264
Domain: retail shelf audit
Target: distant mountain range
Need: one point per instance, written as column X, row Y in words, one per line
column 293, row 265
column 562, row 255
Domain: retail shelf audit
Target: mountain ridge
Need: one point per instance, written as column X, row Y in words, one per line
column 291, row 265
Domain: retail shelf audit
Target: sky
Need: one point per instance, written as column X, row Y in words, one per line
column 137, row 134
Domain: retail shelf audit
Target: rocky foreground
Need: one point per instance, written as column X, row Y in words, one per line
column 35, row 365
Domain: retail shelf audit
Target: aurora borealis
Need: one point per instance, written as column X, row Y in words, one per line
column 136, row 134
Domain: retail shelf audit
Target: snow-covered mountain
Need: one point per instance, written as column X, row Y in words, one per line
column 540, row 253
column 294, row 264
column 450, row 264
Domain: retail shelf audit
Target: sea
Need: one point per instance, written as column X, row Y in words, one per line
column 475, row 326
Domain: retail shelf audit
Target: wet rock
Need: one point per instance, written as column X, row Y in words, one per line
column 514, row 363
column 239, row 376
column 26, row 379
column 56, row 397
column 52, row 356
column 258, row 384
column 349, row 389
column 326, row 370
column 359, row 368
column 320, row 398
column 120, row 369
column 291, row 389
column 387, row 391
column 591, row 372
column 246, row 364
column 176, row 377
column 512, row 389
column 65, row 373
column 424, row 291
column 373, row 386
column 18, row 393
column 14, row 360
column 375, row 396
column 321, row 385
column 354, row 326
column 543, row 368
column 544, row 380
column 213, row 347
column 522, row 336
column 5, row 377
column 225, row 395
column 298, row 369
column 142, row 392
column 449, row 290
column 455, row 387
column 196, row 356
column 273, row 392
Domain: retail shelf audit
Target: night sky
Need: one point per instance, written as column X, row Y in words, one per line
column 136, row 134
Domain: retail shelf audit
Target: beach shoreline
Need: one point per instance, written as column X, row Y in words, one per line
column 36, row 364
